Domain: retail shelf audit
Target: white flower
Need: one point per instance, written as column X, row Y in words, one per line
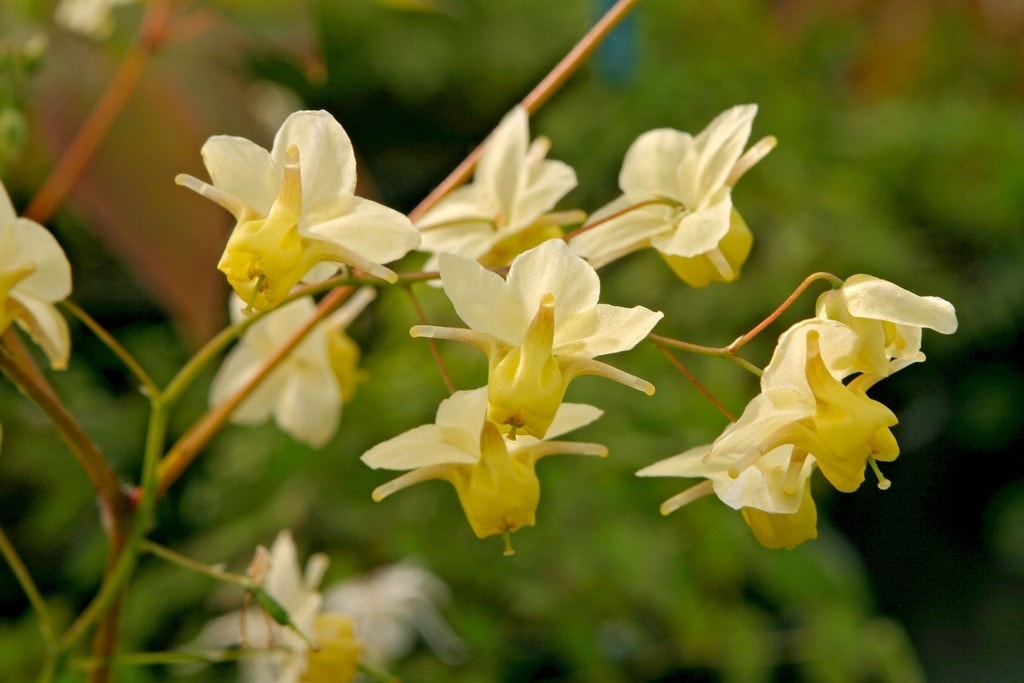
column 504, row 211
column 541, row 328
column 34, row 274
column 298, row 594
column 390, row 607
column 493, row 475
column 304, row 393
column 887, row 319
column 296, row 209
column 90, row 18
column 676, row 198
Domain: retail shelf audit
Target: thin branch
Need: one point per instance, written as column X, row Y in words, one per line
column 35, row 598
column 695, row 382
column 813, row 277
column 445, row 375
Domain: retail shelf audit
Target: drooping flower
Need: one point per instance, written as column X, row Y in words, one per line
column 505, row 210
column 804, row 405
column 393, row 605
column 305, row 392
column 34, row 274
column 677, row 199
column 296, row 209
column 289, row 657
column 493, row 475
column 541, row 328
column 887, row 319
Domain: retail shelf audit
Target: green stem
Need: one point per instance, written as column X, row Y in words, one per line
column 149, row 386
column 165, row 553
column 727, row 352
column 35, row 598
column 693, row 380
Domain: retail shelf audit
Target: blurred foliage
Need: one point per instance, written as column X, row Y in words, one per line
column 901, row 154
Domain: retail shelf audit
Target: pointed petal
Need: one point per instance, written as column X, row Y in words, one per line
column 618, row 329
column 871, row 297
column 244, row 169
column 552, row 268
column 649, row 167
column 46, row 326
column 419, row 447
column 327, row 161
column 51, row 279
column 632, row 230
column 482, row 299
column 500, row 170
column 546, row 186
column 372, row 230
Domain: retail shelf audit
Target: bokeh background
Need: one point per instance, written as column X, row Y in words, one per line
column 901, row 154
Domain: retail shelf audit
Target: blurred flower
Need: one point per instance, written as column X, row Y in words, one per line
column 503, row 212
column 291, row 658
column 887, row 319
column 34, row 274
column 540, row 329
column 296, row 209
column 304, row 393
column 390, row 607
column 90, row 18
column 676, row 198
column 493, row 475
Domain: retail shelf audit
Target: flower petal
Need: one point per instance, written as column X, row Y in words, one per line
column 482, row 299
column 327, row 161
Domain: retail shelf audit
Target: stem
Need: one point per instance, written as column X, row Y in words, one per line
column 165, row 553
column 612, row 216
column 35, row 598
column 739, row 342
column 695, row 382
column 434, row 350
column 103, row 115
column 148, row 385
column 536, row 98
column 89, row 456
column 181, row 455
column 727, row 352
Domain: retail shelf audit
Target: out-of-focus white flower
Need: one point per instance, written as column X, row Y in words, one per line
column 90, row 18
column 393, row 605
column 34, row 274
column 504, row 211
column 289, row 658
column 305, row 392
column 298, row 217
column 540, row 328
column 677, row 199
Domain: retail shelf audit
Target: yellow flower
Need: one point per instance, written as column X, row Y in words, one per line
column 493, row 476
column 505, row 210
column 34, row 274
column 298, row 217
column 676, row 198
column 304, row 394
column 540, row 329
column 888, row 321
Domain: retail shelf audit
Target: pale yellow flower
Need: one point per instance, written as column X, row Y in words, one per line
column 677, row 199
column 505, row 210
column 34, row 274
column 298, row 217
column 888, row 321
column 305, row 392
column 493, row 475
column 541, row 328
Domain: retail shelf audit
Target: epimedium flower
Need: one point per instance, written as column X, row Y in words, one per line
column 887, row 319
column 677, row 199
column 506, row 209
column 34, row 274
column 493, row 475
column 540, row 328
column 297, row 215
column 305, row 392
column 773, row 495
column 316, row 646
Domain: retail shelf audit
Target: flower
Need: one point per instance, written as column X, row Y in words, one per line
column 34, row 274
column 493, row 476
column 390, row 606
column 504, row 211
column 887, row 319
column 676, row 198
column 540, row 329
column 90, row 18
column 304, row 393
column 296, row 593
column 296, row 209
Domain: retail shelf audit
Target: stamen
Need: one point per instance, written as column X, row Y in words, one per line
column 255, row 294
column 745, row 462
column 883, row 483
column 509, row 550
column 796, row 465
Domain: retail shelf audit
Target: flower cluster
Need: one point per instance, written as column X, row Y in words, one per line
column 813, row 409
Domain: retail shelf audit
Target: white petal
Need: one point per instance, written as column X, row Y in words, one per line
column 500, row 169
column 46, row 326
column 309, row 407
column 688, row 464
column 552, row 268
column 482, row 299
column 697, row 232
column 326, row 160
column 618, row 329
column 871, row 297
column 649, row 167
column 372, row 230
column 569, row 416
column 51, row 279
column 244, row 169
column 721, row 144
column 418, row 447
column 547, row 185
column 616, row 237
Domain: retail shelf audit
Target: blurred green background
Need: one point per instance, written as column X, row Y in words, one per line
column 901, row 154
